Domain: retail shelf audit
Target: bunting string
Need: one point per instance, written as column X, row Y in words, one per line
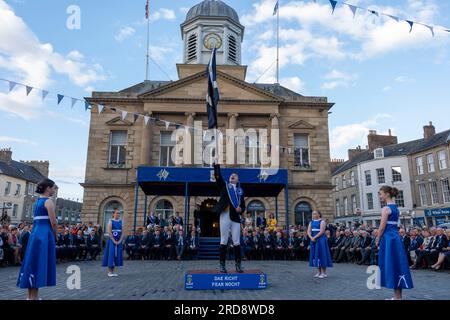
column 411, row 23
column 123, row 113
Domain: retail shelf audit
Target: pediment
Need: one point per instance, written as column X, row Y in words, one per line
column 301, row 124
column 117, row 121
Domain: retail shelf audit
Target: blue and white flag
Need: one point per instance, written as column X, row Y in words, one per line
column 212, row 97
column 275, row 9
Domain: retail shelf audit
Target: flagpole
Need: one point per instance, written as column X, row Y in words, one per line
column 278, row 43
column 148, row 44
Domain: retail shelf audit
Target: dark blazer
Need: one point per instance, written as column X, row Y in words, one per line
column 158, row 241
column 406, row 242
column 224, row 200
column 193, row 241
column 169, row 240
column 261, row 222
column 91, row 242
column 145, row 240
column 267, row 241
column 79, row 241
column 280, row 242
column 177, row 220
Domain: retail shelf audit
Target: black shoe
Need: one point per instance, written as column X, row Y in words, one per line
column 222, row 268
column 239, row 267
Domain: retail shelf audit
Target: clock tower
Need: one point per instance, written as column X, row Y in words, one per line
column 209, row 24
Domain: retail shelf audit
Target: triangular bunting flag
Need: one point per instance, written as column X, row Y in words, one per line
column 44, row 94
column 28, row 89
column 392, row 17
column 167, row 124
column 135, row 117
column 100, row 108
column 60, row 97
column 86, row 105
column 374, row 12
column 333, row 4
column 177, row 126
column 411, row 23
column 431, row 29
column 146, row 119
column 12, row 85
column 353, row 8
column 113, row 109
column 124, row 114
column 448, row 30
column 74, row 101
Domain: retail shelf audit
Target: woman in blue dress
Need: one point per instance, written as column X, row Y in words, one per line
column 113, row 252
column 319, row 253
column 392, row 260
column 39, row 265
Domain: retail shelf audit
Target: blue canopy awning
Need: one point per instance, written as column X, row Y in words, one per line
column 200, row 181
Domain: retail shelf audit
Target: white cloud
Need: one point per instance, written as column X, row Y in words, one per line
column 160, row 14
column 33, row 62
column 404, row 79
column 6, row 139
column 184, row 10
column 348, row 136
column 124, row 33
column 339, row 79
column 294, row 83
column 387, row 88
column 159, row 53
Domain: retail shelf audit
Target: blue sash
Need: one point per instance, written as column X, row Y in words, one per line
column 234, row 194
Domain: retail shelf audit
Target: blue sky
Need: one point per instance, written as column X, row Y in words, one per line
column 379, row 75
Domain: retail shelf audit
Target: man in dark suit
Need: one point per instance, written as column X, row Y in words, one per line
column 231, row 207
column 169, row 241
column 337, row 244
column 177, row 219
column 131, row 245
column 247, row 244
column 291, row 246
column 261, row 221
column 80, row 246
column 180, row 244
column 93, row 245
column 280, row 247
column 256, row 252
column 267, row 246
column 193, row 243
column 152, row 220
column 348, row 239
column 440, row 242
column 144, row 245
column 157, row 245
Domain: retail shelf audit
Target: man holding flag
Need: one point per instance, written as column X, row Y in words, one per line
column 231, row 204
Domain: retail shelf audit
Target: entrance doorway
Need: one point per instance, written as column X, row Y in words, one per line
column 207, row 220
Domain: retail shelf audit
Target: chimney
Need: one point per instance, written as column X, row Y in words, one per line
column 429, row 131
column 334, row 163
column 376, row 140
column 41, row 166
column 354, row 152
column 6, row 155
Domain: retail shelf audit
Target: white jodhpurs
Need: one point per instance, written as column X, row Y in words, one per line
column 226, row 225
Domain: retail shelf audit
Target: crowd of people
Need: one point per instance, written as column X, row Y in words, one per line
column 261, row 239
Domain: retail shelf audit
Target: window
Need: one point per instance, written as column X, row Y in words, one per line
column 352, row 178
column 400, row 200
column 192, row 48
column 164, row 208
column 419, row 165
column 379, row 153
column 165, row 149
column 107, row 213
column 368, row 178
column 338, row 208
column 345, row 206
column 117, row 147
column 251, row 151
column 336, row 183
column 369, row 201
column 446, row 190
column 18, row 187
column 442, row 160
column 353, row 203
column 380, row 176
column 8, row 188
column 434, row 192
column 382, row 203
column 396, row 174
column 303, row 213
column 430, row 162
column 423, row 195
column 301, row 151
column 256, row 207
column 232, row 49
column 344, row 181
column 15, row 209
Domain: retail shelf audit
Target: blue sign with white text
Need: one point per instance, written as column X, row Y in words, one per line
column 230, row 281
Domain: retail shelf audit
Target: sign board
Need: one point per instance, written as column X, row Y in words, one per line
column 213, row 280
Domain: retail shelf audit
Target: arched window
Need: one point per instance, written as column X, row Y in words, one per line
column 256, row 208
column 108, row 211
column 303, row 213
column 165, row 208
column 232, row 49
column 192, row 48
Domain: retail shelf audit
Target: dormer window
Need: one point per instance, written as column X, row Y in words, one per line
column 379, row 153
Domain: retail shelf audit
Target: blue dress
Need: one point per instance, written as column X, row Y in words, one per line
column 392, row 260
column 39, row 264
column 319, row 253
column 113, row 254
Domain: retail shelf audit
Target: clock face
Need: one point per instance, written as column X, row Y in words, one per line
column 212, row 40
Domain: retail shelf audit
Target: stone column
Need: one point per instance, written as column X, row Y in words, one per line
column 146, row 142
